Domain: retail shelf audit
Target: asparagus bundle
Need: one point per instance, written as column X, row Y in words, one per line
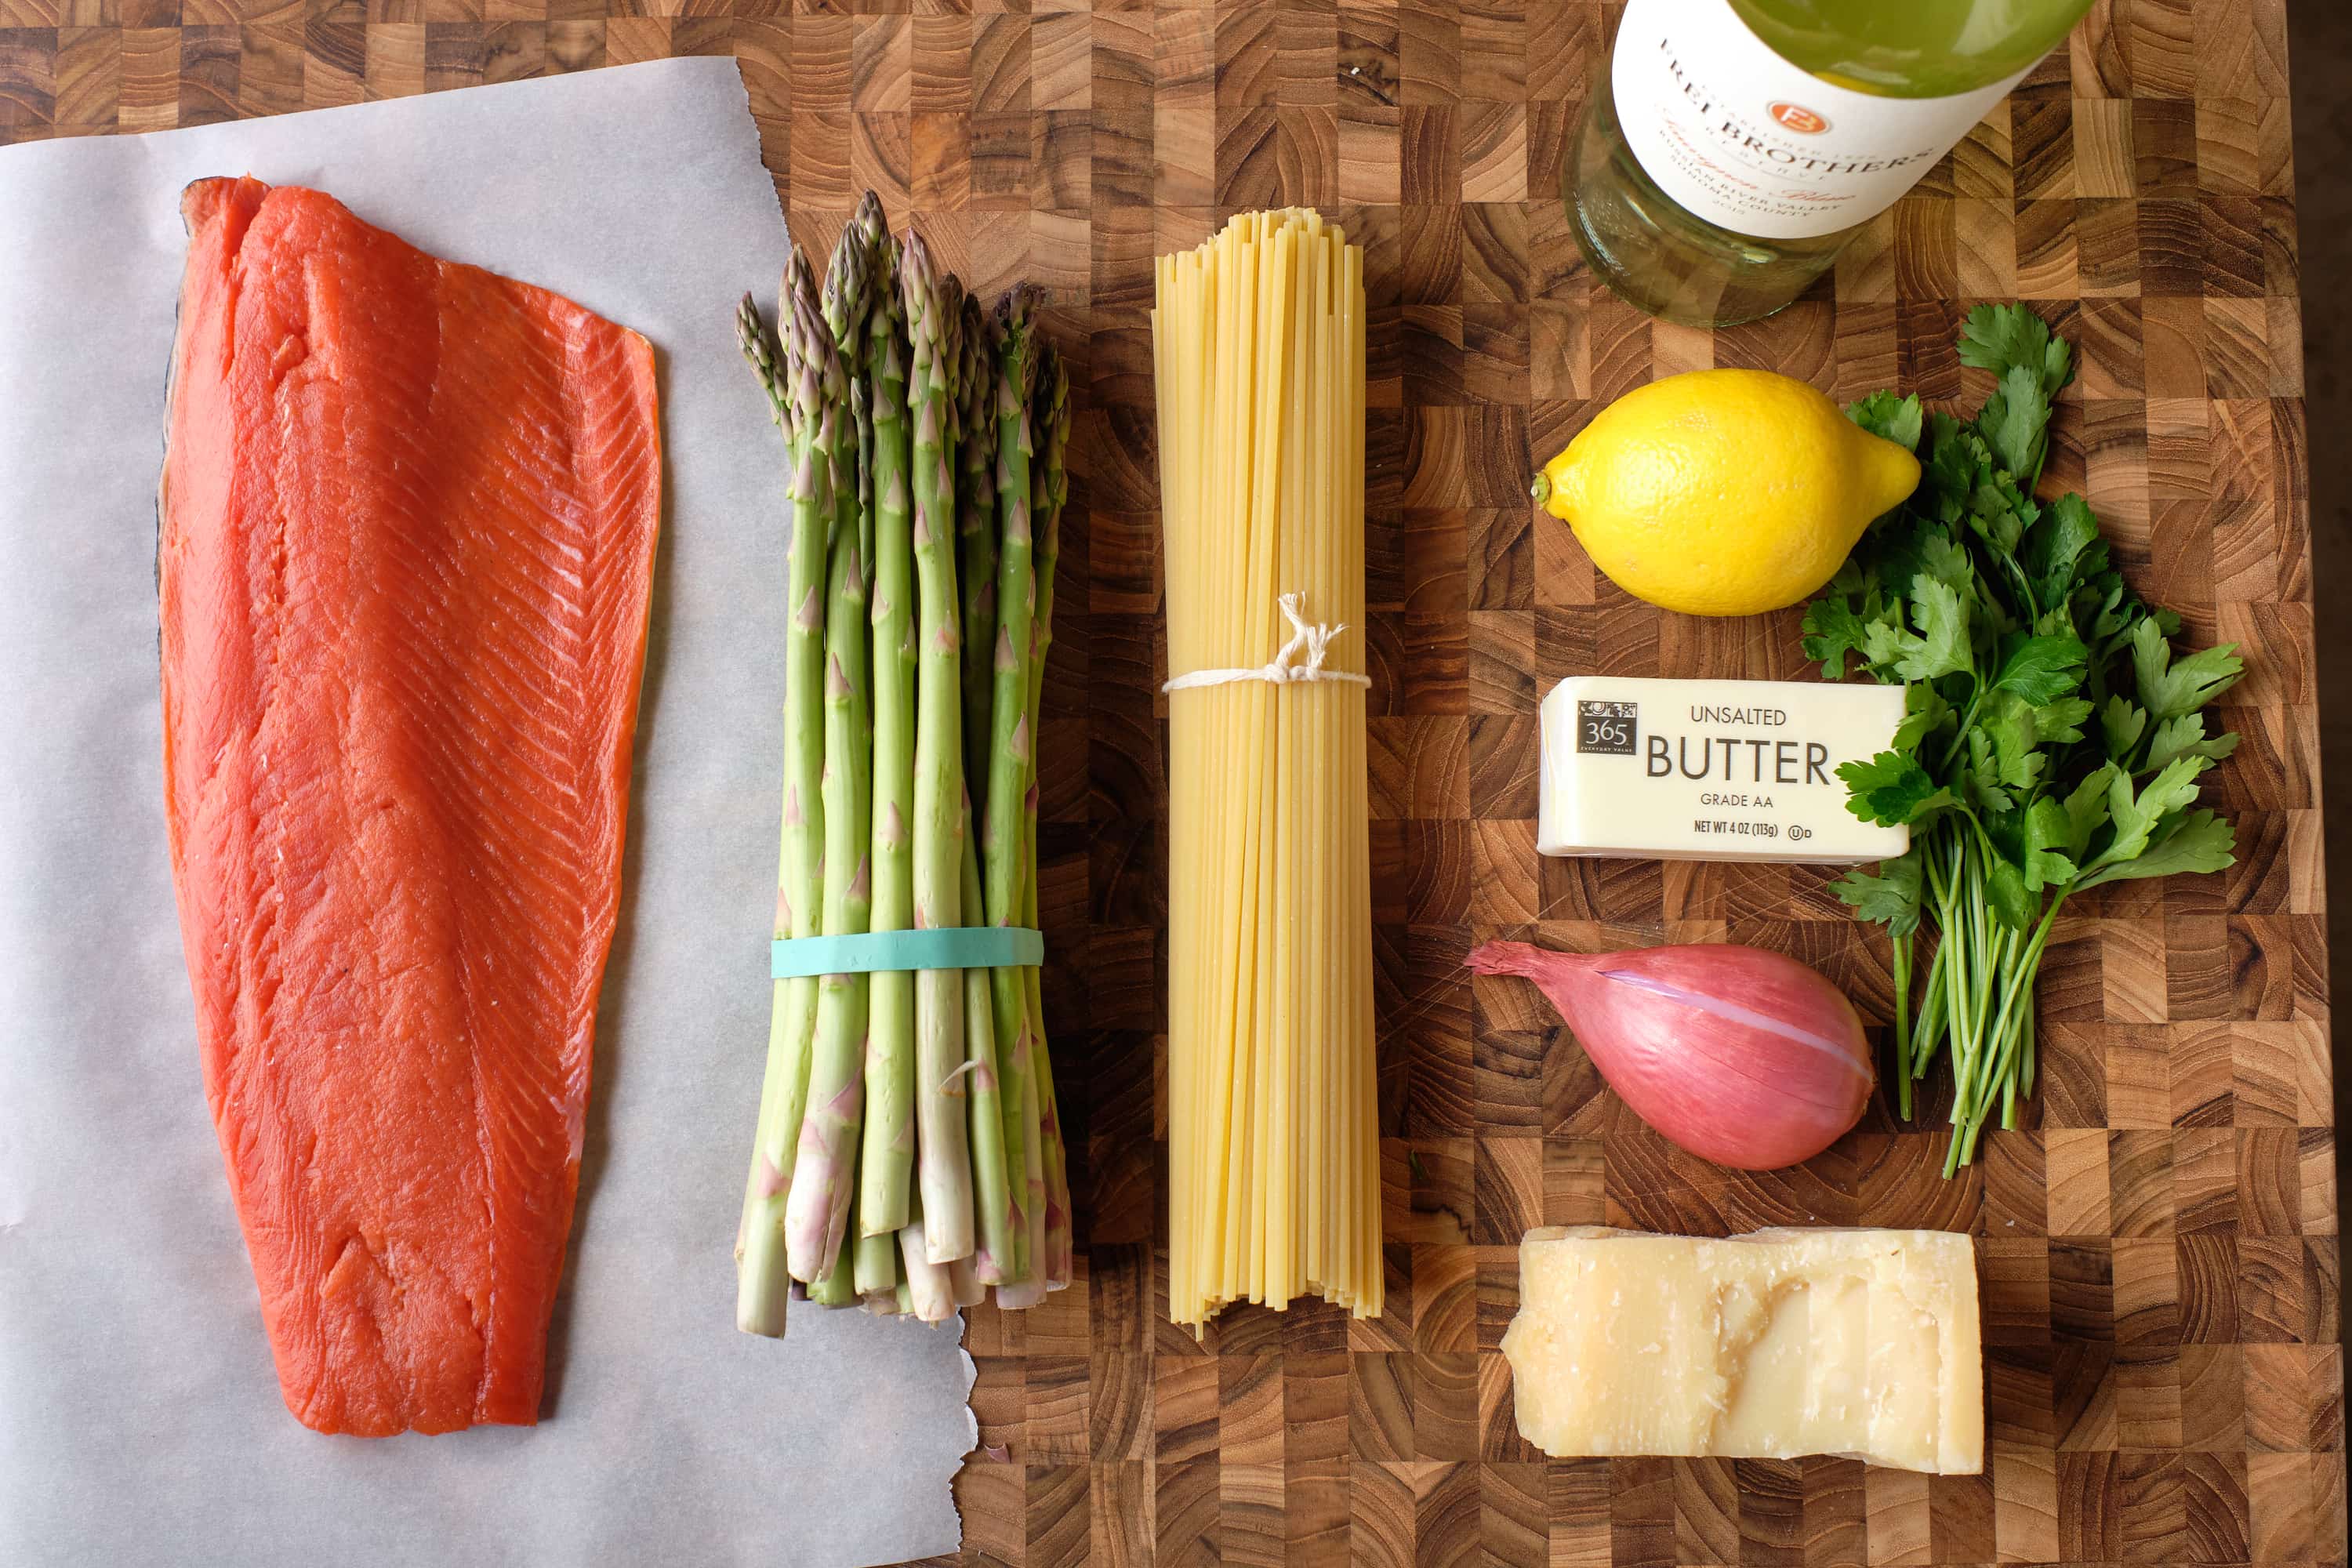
column 909, row 1150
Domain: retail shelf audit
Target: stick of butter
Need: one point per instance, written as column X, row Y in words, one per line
column 1769, row 1345
column 1712, row 770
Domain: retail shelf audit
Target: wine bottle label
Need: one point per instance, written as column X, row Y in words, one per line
column 1752, row 143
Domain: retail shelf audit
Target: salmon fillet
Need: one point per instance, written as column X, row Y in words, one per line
column 407, row 526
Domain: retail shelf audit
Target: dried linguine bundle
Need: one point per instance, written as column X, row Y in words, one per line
column 1258, row 341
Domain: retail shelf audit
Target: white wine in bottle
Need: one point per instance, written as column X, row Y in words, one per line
column 1735, row 145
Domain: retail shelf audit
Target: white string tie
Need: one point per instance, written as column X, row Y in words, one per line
column 1307, row 639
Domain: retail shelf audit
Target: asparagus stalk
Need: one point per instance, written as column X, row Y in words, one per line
column 1050, row 490
column 952, row 298
column 990, row 1182
column 943, row 1159
column 886, row 1164
column 874, row 1262
column 848, row 778
column 759, row 346
column 847, row 306
column 930, row 1287
column 815, row 1209
column 847, row 283
column 837, row 1286
column 1031, row 1287
column 976, row 535
column 873, row 232
column 762, row 1286
column 763, row 1282
column 964, row 1281
column 766, row 1314
column 861, row 412
column 1010, row 747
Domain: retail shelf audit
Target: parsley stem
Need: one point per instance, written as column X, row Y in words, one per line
column 1957, row 937
column 1977, row 989
column 2016, row 1009
column 2025, row 1072
column 1967, row 722
column 1903, row 1027
column 1985, row 1070
column 1928, row 1031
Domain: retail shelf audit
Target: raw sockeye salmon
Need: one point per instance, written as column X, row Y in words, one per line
column 408, row 515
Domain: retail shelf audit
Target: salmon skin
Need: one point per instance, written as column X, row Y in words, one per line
column 407, row 525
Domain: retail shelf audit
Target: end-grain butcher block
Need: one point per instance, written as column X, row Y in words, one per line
column 408, row 519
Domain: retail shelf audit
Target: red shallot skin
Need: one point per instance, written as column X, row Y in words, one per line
column 1745, row 1058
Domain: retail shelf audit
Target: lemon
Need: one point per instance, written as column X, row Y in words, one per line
column 1723, row 493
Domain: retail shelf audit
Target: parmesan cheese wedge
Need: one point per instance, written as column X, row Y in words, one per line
column 1769, row 1345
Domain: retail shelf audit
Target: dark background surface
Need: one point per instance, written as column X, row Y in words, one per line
column 2320, row 49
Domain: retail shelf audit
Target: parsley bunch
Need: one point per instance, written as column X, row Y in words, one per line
column 2051, row 741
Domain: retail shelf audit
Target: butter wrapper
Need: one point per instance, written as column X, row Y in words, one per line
column 1711, row 770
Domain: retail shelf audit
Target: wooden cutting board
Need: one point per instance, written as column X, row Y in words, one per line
column 2159, row 1257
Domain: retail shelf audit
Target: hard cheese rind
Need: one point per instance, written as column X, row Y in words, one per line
column 1768, row 1345
column 1712, row 770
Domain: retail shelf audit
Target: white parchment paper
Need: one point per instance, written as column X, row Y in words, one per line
column 139, row 1420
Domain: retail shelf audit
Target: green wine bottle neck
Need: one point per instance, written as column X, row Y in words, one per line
column 1912, row 49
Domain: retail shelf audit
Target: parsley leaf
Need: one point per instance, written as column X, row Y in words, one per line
column 2049, row 845
column 2000, row 337
column 1955, row 457
column 1943, row 560
column 1982, row 776
column 2137, row 813
column 1891, row 789
column 2060, row 722
column 1924, row 714
column 1998, row 514
column 1832, row 630
column 2062, row 547
column 2121, row 724
column 2042, row 668
column 2196, row 841
column 2087, row 810
column 2015, row 420
column 1894, row 419
column 1940, row 646
column 2169, row 686
column 2031, row 366
column 2006, row 895
column 2009, row 722
column 2184, row 736
column 2111, row 608
column 1891, row 898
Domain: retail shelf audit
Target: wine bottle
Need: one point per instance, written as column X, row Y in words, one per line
column 1735, row 146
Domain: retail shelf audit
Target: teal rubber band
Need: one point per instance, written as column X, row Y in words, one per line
column 952, row 947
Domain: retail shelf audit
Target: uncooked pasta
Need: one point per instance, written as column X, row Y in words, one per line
column 1259, row 342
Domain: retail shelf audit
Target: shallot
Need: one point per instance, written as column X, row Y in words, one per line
column 1746, row 1058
